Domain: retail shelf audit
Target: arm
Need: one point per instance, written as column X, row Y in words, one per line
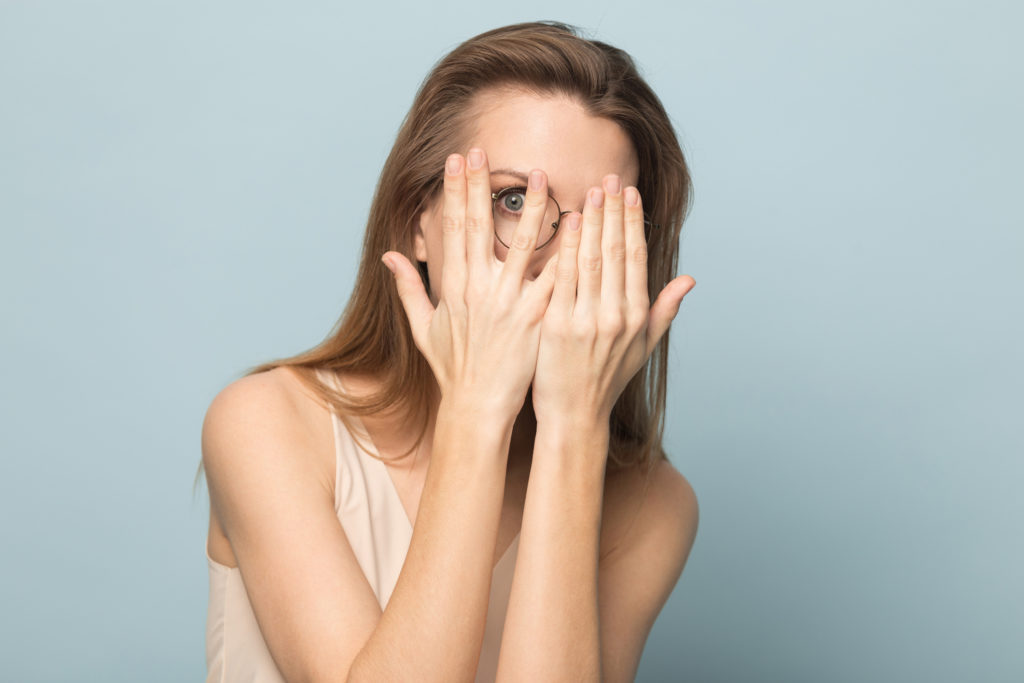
column 551, row 628
column 598, row 330
column 314, row 607
column 571, row 616
column 433, row 627
column 481, row 343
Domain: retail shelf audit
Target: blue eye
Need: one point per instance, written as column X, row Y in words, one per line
column 511, row 200
column 514, row 201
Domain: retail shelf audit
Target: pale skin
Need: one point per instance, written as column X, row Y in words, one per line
column 595, row 562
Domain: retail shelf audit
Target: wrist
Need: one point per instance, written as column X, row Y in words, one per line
column 566, row 425
column 571, row 454
column 487, row 401
column 475, row 419
column 583, row 438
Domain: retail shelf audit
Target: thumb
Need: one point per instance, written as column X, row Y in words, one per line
column 414, row 297
column 665, row 308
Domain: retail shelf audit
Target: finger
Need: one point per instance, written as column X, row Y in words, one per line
column 542, row 286
column 453, row 221
column 588, row 289
column 613, row 246
column 636, row 250
column 524, row 237
column 665, row 308
column 563, row 298
column 479, row 214
column 412, row 293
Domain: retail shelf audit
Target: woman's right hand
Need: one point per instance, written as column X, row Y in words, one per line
column 481, row 340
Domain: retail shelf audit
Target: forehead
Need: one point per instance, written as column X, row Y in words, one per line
column 522, row 131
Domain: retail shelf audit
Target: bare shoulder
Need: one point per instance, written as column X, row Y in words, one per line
column 672, row 496
column 278, row 395
column 637, row 576
column 663, row 509
column 271, row 415
column 273, row 517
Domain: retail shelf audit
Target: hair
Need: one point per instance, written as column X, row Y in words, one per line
column 373, row 337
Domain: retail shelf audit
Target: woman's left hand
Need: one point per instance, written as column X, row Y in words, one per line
column 600, row 328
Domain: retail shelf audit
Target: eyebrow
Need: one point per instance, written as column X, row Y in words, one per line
column 519, row 175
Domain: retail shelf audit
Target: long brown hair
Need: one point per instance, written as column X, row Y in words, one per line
column 373, row 339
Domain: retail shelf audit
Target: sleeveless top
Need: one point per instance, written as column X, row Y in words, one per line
column 379, row 531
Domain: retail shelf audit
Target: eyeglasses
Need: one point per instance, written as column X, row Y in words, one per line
column 508, row 209
column 508, row 206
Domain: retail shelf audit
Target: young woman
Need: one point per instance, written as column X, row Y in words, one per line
column 465, row 481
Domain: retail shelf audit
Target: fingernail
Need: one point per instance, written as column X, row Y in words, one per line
column 476, row 159
column 596, row 198
column 611, row 184
column 454, row 165
column 388, row 263
column 536, row 180
column 632, row 196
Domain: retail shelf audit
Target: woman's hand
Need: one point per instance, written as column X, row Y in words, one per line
column 599, row 328
column 481, row 340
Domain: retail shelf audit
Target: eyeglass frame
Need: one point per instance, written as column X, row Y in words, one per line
column 495, row 196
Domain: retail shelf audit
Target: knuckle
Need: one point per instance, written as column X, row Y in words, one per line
column 583, row 329
column 635, row 321
column 475, row 224
column 565, row 274
column 611, row 322
column 617, row 252
column 450, row 223
column 590, row 263
column 522, row 241
column 639, row 254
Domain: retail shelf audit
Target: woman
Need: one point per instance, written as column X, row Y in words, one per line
column 465, row 481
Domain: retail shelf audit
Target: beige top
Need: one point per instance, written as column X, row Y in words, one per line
column 377, row 527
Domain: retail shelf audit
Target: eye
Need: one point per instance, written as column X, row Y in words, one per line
column 511, row 200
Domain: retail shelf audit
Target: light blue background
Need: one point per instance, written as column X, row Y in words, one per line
column 183, row 189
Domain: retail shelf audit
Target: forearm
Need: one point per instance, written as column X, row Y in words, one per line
column 551, row 626
column 433, row 625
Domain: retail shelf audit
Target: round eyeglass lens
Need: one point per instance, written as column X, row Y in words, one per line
column 508, row 209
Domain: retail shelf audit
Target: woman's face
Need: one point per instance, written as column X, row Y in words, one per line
column 519, row 132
